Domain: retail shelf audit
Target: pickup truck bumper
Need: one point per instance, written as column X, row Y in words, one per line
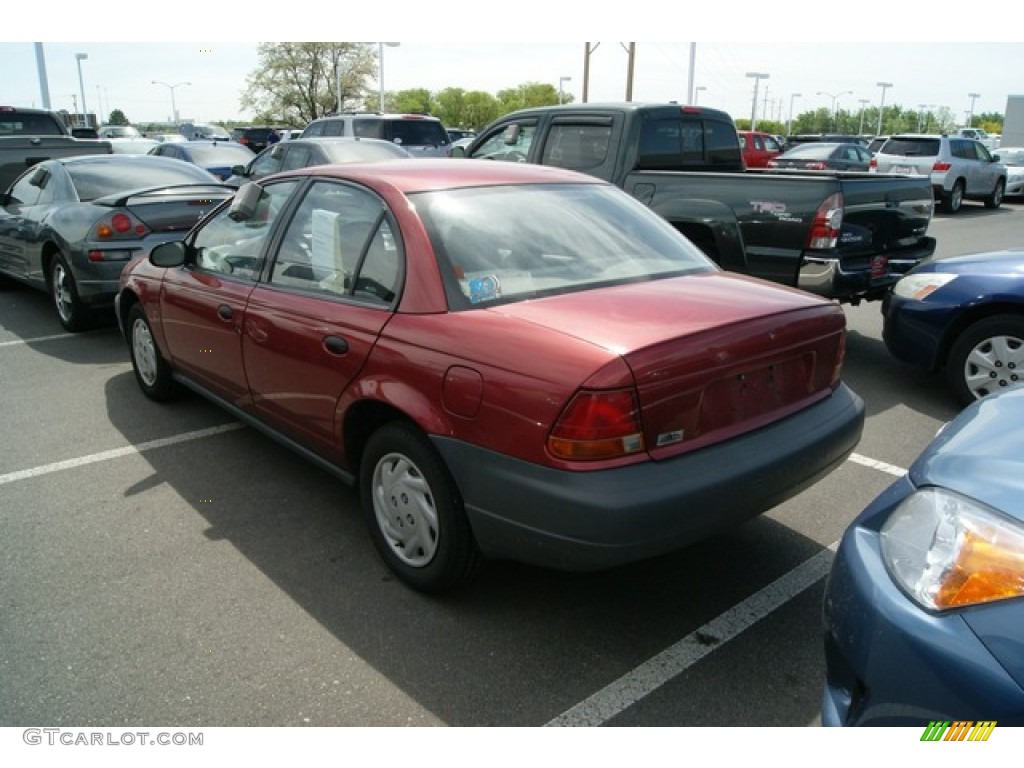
column 861, row 279
column 581, row 521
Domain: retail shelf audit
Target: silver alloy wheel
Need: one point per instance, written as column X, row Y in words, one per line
column 62, row 295
column 144, row 352
column 994, row 364
column 404, row 508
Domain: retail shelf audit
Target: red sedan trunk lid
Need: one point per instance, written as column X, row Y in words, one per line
column 712, row 355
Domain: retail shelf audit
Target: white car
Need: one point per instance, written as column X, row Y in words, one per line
column 1013, row 159
column 978, row 135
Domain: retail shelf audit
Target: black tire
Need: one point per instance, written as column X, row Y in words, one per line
column 72, row 313
column 954, row 201
column 151, row 370
column 987, row 357
column 995, row 199
column 415, row 511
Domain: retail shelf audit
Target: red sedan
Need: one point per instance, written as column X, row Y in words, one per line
column 510, row 361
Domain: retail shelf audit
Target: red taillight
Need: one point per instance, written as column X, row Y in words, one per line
column 815, row 166
column 121, row 223
column 873, row 165
column 598, row 425
column 828, row 220
column 942, row 166
column 772, row 164
column 119, row 226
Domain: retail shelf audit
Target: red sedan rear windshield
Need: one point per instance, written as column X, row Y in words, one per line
column 515, row 242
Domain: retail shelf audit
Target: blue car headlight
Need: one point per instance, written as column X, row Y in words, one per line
column 947, row 551
column 921, row 284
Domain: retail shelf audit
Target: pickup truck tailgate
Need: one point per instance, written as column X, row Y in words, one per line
column 884, row 215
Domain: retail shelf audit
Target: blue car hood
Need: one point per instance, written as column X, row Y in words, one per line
column 982, row 264
column 980, row 454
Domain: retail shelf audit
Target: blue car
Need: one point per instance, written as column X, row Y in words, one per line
column 964, row 316
column 216, row 157
column 924, row 606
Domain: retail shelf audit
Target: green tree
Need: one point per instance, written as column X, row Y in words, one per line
column 527, row 95
column 117, row 117
column 295, row 83
column 480, row 108
column 415, row 100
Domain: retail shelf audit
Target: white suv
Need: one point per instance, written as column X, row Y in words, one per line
column 419, row 135
column 960, row 169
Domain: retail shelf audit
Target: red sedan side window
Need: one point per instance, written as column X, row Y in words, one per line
column 236, row 247
column 339, row 243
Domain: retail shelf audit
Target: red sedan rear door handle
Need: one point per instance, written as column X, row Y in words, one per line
column 225, row 312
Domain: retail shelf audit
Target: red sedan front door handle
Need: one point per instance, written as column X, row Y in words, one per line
column 225, row 312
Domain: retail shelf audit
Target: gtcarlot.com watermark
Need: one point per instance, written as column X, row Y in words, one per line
column 69, row 738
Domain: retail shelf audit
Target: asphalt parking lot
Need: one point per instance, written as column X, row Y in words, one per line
column 164, row 564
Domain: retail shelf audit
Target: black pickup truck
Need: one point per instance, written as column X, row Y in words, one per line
column 842, row 235
column 29, row 136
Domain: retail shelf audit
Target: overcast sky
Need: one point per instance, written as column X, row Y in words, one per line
column 120, row 74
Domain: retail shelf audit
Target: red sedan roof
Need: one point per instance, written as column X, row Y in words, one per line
column 422, row 175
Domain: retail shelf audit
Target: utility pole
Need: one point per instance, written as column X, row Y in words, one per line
column 690, row 94
column 758, row 77
column 631, row 50
column 881, row 106
column 587, row 50
column 44, row 86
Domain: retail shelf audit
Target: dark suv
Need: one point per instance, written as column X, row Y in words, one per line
column 419, row 135
column 253, row 136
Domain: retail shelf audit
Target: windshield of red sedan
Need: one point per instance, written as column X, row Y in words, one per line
column 515, row 242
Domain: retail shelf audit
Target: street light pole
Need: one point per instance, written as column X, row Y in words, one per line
column 81, row 87
column 174, row 106
column 380, row 62
column 881, row 106
column 835, row 98
column 789, row 125
column 561, row 80
column 970, row 115
column 758, row 77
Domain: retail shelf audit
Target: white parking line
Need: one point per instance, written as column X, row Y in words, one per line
column 655, row 672
column 54, row 337
column 881, row 466
column 18, row 342
column 117, row 453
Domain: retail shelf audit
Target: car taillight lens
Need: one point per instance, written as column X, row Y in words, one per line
column 598, row 425
column 815, row 166
column 942, row 166
column 118, row 226
column 828, row 220
column 873, row 165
